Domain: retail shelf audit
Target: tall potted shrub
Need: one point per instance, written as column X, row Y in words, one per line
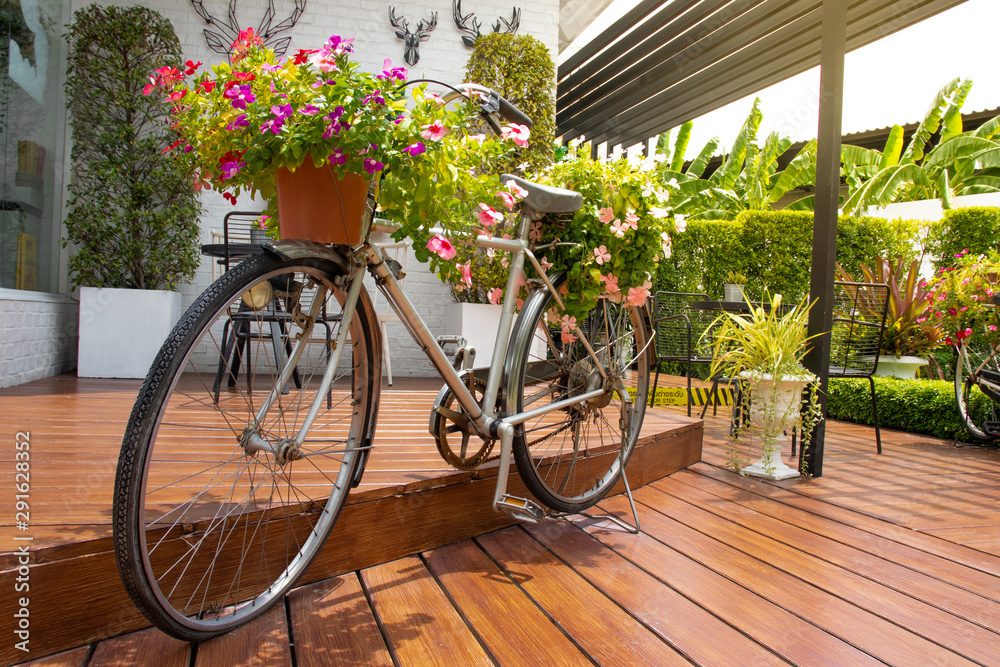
column 133, row 219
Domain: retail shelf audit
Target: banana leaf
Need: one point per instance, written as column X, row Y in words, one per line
column 681, row 145
column 800, row 171
column 725, row 176
column 697, row 167
column 893, row 148
column 932, row 120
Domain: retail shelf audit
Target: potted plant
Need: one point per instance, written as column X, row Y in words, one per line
column 910, row 334
column 133, row 219
column 764, row 348
column 960, row 298
column 733, row 288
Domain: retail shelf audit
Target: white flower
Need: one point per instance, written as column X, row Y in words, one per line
column 673, row 183
column 680, row 222
column 659, row 212
column 665, row 238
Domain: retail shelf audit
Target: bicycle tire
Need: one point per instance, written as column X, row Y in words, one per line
column 968, row 364
column 207, row 533
column 571, row 458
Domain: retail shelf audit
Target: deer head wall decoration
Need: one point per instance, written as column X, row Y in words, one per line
column 411, row 40
column 229, row 27
column 469, row 24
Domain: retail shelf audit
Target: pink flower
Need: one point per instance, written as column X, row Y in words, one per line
column 201, row 183
column 488, row 216
column 435, row 131
column 495, row 296
column 638, row 295
column 568, row 324
column 371, row 166
column 611, row 284
column 619, row 228
column 518, row 133
column 667, row 245
column 337, row 157
column 632, row 220
column 507, row 199
column 545, row 263
column 516, row 189
column 466, row 270
column 442, row 247
column 602, row 255
column 606, row 215
column 991, row 327
column 477, row 137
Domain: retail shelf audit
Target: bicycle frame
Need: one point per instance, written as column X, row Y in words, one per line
column 488, row 426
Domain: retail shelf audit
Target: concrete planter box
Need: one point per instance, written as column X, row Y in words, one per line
column 478, row 324
column 121, row 330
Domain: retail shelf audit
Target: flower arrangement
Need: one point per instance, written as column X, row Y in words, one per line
column 960, row 298
column 245, row 120
column 609, row 247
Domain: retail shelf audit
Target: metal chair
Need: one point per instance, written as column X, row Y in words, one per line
column 680, row 335
column 859, row 311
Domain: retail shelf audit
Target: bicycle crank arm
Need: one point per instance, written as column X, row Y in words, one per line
column 519, row 508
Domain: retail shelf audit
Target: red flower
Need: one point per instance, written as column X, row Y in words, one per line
column 244, row 76
column 302, row 55
column 191, row 67
column 207, row 86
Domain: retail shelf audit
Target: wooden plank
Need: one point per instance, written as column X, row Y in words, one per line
column 73, row 658
column 420, row 623
column 606, row 631
column 332, row 624
column 692, row 630
column 868, row 632
column 263, row 641
column 137, row 647
column 514, row 629
column 843, row 571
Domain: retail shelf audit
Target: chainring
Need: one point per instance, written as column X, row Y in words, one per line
column 448, row 422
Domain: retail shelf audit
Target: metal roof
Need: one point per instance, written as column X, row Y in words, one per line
column 664, row 63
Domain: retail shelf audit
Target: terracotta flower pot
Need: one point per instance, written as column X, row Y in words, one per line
column 314, row 204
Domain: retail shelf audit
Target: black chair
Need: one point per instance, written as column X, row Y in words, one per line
column 680, row 335
column 242, row 239
column 859, row 311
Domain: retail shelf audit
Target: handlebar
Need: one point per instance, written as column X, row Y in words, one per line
column 491, row 103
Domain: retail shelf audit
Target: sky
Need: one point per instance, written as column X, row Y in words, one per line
column 889, row 81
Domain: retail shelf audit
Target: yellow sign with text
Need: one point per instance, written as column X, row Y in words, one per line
column 699, row 396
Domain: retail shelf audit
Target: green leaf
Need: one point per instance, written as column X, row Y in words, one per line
column 893, row 148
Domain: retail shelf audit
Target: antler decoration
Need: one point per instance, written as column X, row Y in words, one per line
column 469, row 24
column 229, row 28
column 471, row 30
column 411, row 40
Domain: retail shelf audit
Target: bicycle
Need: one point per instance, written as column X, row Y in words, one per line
column 223, row 497
column 977, row 372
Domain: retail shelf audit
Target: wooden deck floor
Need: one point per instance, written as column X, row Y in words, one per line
column 891, row 559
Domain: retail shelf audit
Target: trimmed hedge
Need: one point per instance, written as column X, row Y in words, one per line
column 774, row 250
column 976, row 228
column 916, row 406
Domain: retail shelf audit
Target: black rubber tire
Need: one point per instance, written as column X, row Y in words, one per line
column 591, row 442
column 967, row 365
column 207, row 534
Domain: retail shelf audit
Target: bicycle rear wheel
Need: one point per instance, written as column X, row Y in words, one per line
column 214, row 517
column 572, row 457
column 977, row 363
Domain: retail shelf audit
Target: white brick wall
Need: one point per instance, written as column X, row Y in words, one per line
column 37, row 337
column 442, row 57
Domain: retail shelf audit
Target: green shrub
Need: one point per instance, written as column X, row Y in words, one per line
column 774, row 250
column 133, row 216
column 976, row 228
column 520, row 69
column 916, row 406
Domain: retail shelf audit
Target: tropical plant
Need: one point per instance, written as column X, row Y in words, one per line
column 958, row 163
column 520, row 69
column 133, row 218
column 908, row 329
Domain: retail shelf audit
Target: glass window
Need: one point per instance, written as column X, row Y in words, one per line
column 32, row 122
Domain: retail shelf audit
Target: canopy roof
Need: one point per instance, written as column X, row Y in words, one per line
column 664, row 63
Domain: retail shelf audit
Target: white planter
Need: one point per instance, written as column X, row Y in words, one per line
column 733, row 293
column 899, row 367
column 478, row 323
column 121, row 330
column 775, row 404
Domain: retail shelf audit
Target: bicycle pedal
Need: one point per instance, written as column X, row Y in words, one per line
column 992, row 429
column 521, row 508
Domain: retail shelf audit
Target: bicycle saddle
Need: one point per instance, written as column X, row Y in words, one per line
column 547, row 199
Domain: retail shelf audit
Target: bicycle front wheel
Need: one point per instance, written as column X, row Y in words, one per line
column 571, row 457
column 216, row 512
column 976, row 362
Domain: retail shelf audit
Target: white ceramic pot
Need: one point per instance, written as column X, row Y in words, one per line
column 775, row 404
column 121, row 330
column 478, row 323
column 733, row 292
column 900, row 367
